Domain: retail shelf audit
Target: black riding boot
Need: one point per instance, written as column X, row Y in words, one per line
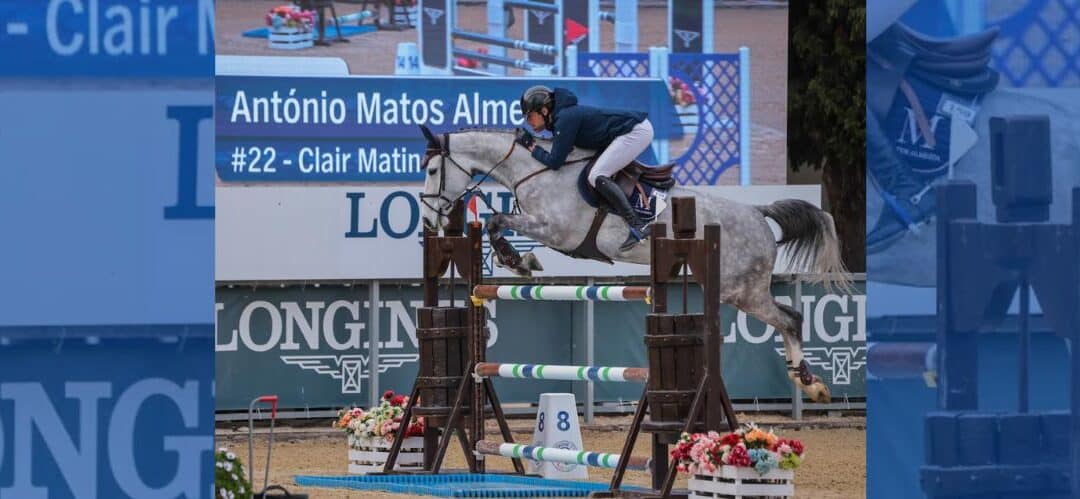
column 615, row 198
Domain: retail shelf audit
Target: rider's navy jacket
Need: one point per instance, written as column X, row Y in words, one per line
column 582, row 126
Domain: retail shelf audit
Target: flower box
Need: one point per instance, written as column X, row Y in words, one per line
column 731, row 481
column 369, row 454
column 288, row 38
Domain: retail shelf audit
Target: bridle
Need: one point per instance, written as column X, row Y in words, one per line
column 443, row 151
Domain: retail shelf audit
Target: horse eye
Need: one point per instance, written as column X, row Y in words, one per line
column 432, row 171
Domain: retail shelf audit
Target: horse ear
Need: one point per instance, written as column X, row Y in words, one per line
column 428, row 135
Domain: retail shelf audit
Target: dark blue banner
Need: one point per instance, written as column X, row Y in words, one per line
column 366, row 129
column 107, row 38
column 973, row 232
column 75, row 421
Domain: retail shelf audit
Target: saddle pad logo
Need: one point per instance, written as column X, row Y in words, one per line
column 921, row 130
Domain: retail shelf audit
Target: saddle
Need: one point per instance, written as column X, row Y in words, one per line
column 925, row 82
column 958, row 64
column 634, row 177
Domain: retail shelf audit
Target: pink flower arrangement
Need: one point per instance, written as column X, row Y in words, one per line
column 747, row 447
column 381, row 421
column 680, row 92
column 290, row 17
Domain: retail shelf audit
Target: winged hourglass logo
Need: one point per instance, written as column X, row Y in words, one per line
column 687, row 37
column 349, row 369
column 838, row 361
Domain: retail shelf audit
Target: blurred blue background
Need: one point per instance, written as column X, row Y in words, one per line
column 106, row 259
column 934, row 71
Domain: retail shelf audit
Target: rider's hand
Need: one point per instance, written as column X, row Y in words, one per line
column 523, row 137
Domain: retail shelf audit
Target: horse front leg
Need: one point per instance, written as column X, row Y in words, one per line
column 505, row 254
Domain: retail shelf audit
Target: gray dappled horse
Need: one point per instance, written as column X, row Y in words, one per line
column 553, row 213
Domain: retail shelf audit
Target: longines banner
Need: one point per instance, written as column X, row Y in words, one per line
column 309, row 344
column 312, row 233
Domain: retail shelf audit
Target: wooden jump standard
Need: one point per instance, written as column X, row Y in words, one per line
column 684, row 391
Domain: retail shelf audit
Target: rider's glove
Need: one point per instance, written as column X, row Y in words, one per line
column 523, row 137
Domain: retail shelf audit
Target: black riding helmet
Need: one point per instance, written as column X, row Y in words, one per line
column 535, row 98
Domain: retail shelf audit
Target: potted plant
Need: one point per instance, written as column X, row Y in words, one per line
column 748, row 462
column 371, row 434
column 230, row 478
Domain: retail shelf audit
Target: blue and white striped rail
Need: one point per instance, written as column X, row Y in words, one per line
column 562, row 373
column 555, row 455
column 562, row 293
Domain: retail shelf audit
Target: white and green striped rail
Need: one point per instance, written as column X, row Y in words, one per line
column 562, row 373
column 554, row 455
column 562, row 293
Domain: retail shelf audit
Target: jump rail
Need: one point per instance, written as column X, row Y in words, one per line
column 562, row 373
column 563, row 293
column 556, row 455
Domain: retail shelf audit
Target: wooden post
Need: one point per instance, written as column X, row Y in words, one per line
column 713, row 339
column 478, row 340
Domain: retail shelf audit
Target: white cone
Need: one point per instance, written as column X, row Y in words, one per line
column 408, row 59
column 557, row 426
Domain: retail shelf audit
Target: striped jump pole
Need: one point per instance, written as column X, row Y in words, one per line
column 562, row 373
column 563, row 293
column 555, row 455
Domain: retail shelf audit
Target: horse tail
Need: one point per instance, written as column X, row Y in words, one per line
column 810, row 239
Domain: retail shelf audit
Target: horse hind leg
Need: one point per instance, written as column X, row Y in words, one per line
column 788, row 322
column 798, row 367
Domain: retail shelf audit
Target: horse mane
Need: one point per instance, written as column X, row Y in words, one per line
column 576, row 153
column 503, row 131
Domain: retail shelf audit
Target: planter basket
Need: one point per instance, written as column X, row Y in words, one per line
column 733, row 482
column 368, row 455
column 285, row 38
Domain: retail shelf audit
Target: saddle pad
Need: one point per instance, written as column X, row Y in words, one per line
column 928, row 156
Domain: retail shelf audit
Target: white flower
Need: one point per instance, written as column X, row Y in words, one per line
column 219, row 465
column 228, row 467
column 241, row 489
column 234, row 478
column 230, row 456
column 231, row 495
column 223, row 493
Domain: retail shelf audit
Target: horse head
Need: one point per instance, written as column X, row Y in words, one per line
column 446, row 181
column 452, row 159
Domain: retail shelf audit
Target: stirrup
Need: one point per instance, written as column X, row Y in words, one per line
column 636, row 236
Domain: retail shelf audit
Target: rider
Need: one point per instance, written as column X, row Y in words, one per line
column 622, row 135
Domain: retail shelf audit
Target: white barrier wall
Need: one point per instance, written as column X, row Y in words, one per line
column 361, row 232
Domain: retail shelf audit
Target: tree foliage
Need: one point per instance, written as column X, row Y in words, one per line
column 826, row 110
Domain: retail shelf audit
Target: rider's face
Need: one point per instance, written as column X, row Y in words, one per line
column 536, row 120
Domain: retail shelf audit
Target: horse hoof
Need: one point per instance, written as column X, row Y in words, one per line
column 821, row 394
column 519, row 270
column 529, row 261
